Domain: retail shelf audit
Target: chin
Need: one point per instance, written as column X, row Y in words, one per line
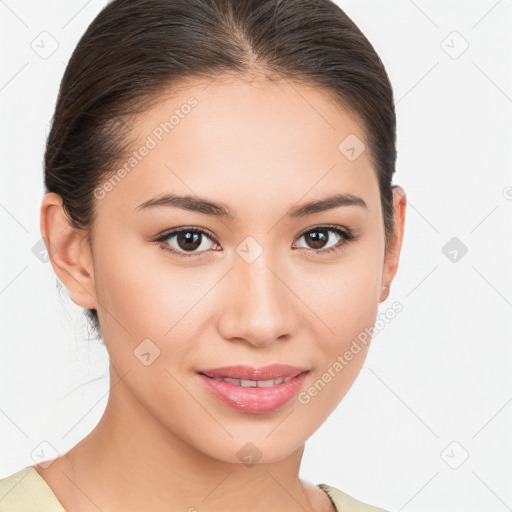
column 250, row 449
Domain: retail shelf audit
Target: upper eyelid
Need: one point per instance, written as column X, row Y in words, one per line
column 326, row 226
column 172, row 232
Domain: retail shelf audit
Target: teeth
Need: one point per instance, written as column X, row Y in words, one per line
column 232, row 381
column 245, row 383
column 267, row 383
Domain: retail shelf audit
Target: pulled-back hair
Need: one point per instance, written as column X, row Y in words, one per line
column 136, row 50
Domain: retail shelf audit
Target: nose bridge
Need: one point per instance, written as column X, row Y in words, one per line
column 262, row 309
column 261, row 283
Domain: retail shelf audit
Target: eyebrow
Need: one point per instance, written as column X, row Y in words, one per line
column 207, row 207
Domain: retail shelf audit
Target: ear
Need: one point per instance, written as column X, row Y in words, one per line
column 69, row 252
column 393, row 253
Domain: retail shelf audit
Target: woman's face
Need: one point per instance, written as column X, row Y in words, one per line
column 260, row 287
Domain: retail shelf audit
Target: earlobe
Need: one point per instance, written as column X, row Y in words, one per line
column 385, row 292
column 393, row 254
column 68, row 251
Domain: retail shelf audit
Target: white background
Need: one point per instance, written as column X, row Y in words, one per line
column 436, row 386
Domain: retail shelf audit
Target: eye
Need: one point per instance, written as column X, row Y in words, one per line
column 187, row 239
column 319, row 239
column 194, row 240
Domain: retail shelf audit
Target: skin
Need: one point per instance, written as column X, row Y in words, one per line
column 163, row 440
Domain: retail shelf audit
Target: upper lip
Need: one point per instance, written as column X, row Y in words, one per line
column 272, row 371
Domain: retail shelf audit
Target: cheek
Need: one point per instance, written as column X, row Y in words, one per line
column 144, row 318
column 141, row 292
column 345, row 299
column 345, row 295
column 147, row 297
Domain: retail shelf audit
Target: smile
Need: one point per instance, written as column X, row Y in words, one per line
column 245, row 383
column 254, row 390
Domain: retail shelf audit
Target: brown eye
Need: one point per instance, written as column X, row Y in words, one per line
column 317, row 239
column 192, row 241
column 321, row 241
column 186, row 240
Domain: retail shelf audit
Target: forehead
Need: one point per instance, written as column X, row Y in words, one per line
column 239, row 140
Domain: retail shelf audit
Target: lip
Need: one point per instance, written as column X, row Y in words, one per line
column 271, row 371
column 254, row 400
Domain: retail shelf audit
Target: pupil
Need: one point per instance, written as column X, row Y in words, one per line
column 318, row 241
column 188, row 237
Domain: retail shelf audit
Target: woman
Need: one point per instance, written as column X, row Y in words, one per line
column 219, row 200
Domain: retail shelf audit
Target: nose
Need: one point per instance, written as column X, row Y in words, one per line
column 260, row 308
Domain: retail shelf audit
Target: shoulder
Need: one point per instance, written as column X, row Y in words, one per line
column 345, row 503
column 25, row 491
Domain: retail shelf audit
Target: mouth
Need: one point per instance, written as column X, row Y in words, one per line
column 270, row 372
column 247, row 383
column 254, row 390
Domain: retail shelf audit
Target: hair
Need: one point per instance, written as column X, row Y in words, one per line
column 135, row 51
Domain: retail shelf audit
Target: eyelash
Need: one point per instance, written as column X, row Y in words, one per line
column 345, row 234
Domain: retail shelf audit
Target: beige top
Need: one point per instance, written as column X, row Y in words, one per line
column 27, row 491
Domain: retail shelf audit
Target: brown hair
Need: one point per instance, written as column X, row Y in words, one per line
column 135, row 50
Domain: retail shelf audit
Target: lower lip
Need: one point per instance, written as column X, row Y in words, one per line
column 254, row 400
